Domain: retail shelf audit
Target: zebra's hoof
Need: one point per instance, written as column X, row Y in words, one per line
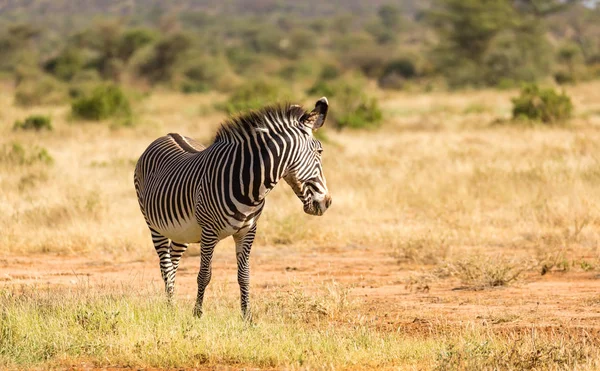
column 197, row 312
column 247, row 317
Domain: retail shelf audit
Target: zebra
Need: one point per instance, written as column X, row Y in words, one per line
column 189, row 193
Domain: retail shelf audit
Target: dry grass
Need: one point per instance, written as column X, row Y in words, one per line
column 107, row 326
column 437, row 187
column 420, row 192
column 135, row 328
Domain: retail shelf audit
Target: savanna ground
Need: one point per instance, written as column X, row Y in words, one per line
column 453, row 241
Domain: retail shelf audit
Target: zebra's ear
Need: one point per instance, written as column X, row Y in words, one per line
column 316, row 118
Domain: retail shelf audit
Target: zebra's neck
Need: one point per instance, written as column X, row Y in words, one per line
column 253, row 164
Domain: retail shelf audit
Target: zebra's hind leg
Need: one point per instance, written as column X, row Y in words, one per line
column 163, row 250
column 243, row 245
column 207, row 247
column 176, row 250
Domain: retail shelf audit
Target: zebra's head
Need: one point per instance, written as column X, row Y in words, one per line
column 305, row 175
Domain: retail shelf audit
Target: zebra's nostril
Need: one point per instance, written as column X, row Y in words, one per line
column 328, row 202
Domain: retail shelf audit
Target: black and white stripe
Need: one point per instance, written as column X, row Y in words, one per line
column 188, row 193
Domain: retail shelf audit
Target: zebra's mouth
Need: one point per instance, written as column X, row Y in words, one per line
column 317, row 206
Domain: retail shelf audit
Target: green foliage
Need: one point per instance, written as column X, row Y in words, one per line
column 479, row 43
column 16, row 153
column 402, row 66
column 34, row 122
column 390, row 16
column 253, row 95
column 330, row 72
column 133, row 40
column 321, row 88
column 370, row 60
column 167, row 53
column 351, row 106
column 300, row 42
column 39, row 89
column 544, row 105
column 65, row 65
column 300, row 70
column 103, row 102
column 483, row 42
column 202, row 74
column 16, row 46
column 564, row 77
column 396, row 72
column 363, row 113
column 83, row 83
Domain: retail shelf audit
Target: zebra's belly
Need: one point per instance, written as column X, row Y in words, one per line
column 188, row 231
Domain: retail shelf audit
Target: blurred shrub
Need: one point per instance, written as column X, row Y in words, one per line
column 481, row 43
column 241, row 59
column 544, row 105
column 564, row 77
column 322, row 88
column 66, row 64
column 83, row 83
column 351, row 106
column 166, row 54
column 103, row 102
column 39, row 89
column 370, row 60
column 17, row 154
column 403, row 67
column 132, row 40
column 263, row 38
column 300, row 41
column 253, row 95
column 206, row 73
column 300, row 70
column 330, row 72
column 34, row 122
column 191, row 86
column 396, row 72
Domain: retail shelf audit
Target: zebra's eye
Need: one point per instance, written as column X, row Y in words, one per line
column 319, row 151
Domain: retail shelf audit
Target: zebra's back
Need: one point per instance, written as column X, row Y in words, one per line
column 165, row 178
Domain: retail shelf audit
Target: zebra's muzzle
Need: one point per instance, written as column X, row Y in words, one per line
column 318, row 205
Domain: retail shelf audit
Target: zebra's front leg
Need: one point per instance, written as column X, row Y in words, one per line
column 243, row 245
column 206, row 252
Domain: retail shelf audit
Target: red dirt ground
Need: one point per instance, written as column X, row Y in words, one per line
column 378, row 283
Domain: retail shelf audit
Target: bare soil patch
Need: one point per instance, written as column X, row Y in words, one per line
column 558, row 300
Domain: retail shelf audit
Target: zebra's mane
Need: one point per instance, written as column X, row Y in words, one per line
column 264, row 119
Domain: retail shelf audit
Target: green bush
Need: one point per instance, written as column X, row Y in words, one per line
column 322, row 88
column 103, row 102
column 544, row 105
column 403, row 67
column 365, row 113
column 396, row 73
column 202, row 74
column 330, row 72
column 134, row 39
column 253, row 95
column 34, row 122
column 66, row 64
column 564, row 77
column 84, row 83
column 166, row 55
column 351, row 106
column 17, row 154
column 39, row 90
